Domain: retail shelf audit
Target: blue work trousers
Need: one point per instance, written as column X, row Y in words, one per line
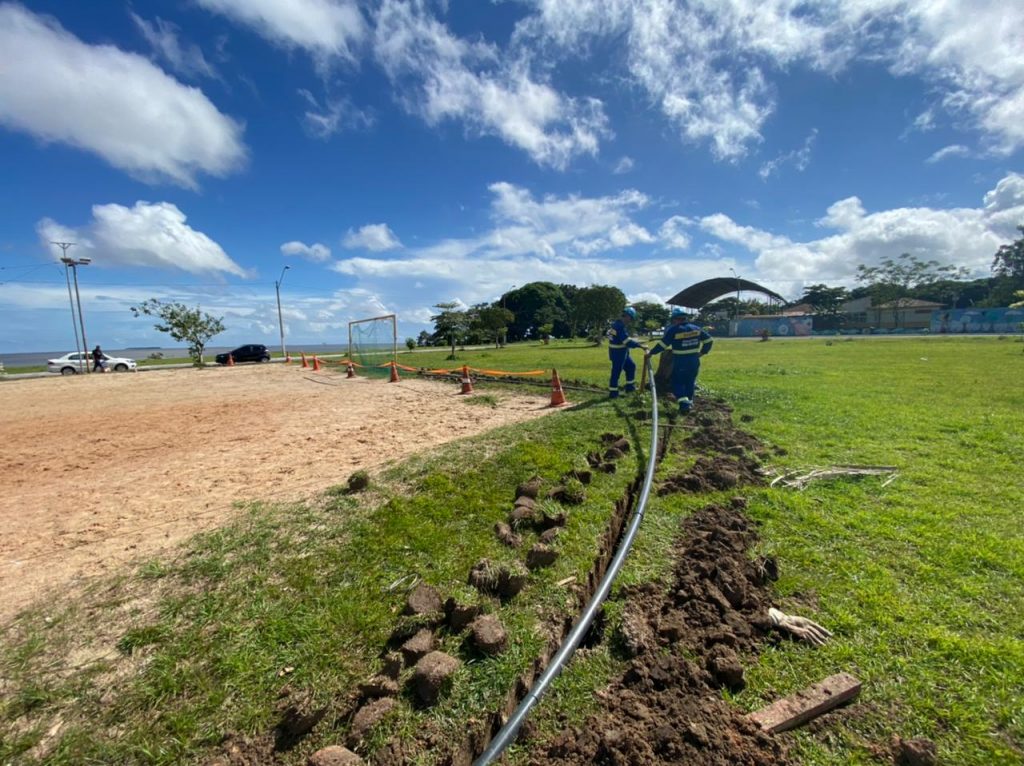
column 684, row 378
column 621, row 362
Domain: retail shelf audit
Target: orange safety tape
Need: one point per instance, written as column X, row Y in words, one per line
column 506, row 372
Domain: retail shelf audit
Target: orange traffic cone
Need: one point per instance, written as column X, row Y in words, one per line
column 557, row 396
column 351, row 370
column 231, row 360
column 316, row 363
column 394, row 373
column 305, row 364
column 467, row 384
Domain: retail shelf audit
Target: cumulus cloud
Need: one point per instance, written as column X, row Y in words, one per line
column 562, row 239
column 375, row 237
column 184, row 58
column 327, row 29
column 957, row 236
column 315, row 252
column 448, row 78
column 114, row 104
column 145, row 235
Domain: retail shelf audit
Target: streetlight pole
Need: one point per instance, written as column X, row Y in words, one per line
column 78, row 299
column 280, row 321
column 71, row 301
column 737, row 310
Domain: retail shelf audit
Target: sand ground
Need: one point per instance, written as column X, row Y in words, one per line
column 97, row 470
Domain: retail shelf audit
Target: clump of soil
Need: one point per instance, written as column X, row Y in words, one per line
column 687, row 641
column 710, row 474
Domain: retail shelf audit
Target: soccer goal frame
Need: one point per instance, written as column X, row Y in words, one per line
column 379, row 351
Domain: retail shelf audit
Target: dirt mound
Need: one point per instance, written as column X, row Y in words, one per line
column 710, row 474
column 686, row 642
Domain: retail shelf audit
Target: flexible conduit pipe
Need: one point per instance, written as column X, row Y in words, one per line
column 508, row 732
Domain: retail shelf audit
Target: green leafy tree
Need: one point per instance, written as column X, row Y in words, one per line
column 410, row 343
column 424, row 338
column 545, row 331
column 186, row 325
column 597, row 305
column 650, row 315
column 825, row 300
column 1009, row 259
column 534, row 304
column 893, row 281
column 450, row 323
column 493, row 322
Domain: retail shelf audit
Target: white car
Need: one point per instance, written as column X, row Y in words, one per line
column 76, row 362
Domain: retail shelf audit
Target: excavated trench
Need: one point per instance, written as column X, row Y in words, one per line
column 684, row 641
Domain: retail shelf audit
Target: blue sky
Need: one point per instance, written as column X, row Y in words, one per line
column 398, row 154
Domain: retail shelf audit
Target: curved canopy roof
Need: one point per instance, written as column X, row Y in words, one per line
column 696, row 296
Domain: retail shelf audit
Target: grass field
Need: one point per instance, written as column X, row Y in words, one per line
column 921, row 580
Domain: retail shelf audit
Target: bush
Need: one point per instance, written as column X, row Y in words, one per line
column 410, row 343
column 358, row 481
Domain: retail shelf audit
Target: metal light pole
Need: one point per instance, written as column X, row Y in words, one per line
column 280, row 321
column 67, row 278
column 74, row 264
column 736, row 312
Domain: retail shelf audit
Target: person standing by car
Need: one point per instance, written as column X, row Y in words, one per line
column 97, row 360
column 688, row 343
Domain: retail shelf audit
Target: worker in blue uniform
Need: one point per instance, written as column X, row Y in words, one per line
column 688, row 344
column 619, row 344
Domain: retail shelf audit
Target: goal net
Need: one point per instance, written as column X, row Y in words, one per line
column 372, row 343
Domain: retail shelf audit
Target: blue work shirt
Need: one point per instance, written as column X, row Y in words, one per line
column 686, row 338
column 618, row 336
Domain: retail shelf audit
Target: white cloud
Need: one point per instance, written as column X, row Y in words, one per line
column 672, row 235
column 375, row 237
column 325, row 28
column 333, row 116
column 146, row 235
column 624, row 165
column 957, row 236
column 568, row 239
column 953, row 150
column 187, row 60
column 800, row 158
column 315, row 252
column 450, row 78
column 114, row 104
column 706, row 66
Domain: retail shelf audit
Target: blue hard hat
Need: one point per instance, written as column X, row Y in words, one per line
column 678, row 311
column 630, row 312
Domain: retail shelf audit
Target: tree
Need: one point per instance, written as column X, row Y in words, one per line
column 184, row 324
column 423, row 339
column 450, row 323
column 593, row 307
column 893, row 281
column 410, row 343
column 533, row 305
column 493, row 321
column 825, row 300
column 650, row 315
column 1009, row 259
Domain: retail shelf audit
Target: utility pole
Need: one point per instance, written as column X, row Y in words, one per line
column 280, row 321
column 67, row 278
column 74, row 264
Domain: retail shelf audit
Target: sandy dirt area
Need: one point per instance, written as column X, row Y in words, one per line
column 98, row 470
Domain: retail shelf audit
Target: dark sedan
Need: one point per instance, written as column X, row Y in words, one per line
column 251, row 353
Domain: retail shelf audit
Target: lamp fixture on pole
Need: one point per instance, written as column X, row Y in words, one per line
column 280, row 321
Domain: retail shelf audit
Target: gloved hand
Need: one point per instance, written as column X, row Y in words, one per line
column 800, row 627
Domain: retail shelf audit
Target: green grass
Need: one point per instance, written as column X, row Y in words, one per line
column 921, row 580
